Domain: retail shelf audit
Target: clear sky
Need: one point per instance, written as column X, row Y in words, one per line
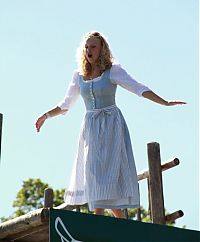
column 156, row 41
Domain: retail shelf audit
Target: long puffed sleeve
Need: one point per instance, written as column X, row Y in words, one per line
column 72, row 93
column 120, row 77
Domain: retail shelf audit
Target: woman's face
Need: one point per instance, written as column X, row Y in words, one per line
column 92, row 49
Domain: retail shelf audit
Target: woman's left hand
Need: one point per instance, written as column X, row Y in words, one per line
column 173, row 103
column 155, row 98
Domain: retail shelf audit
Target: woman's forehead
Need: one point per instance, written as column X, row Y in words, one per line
column 93, row 40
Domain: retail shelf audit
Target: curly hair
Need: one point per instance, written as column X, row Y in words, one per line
column 105, row 58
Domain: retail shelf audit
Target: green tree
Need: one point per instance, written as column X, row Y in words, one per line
column 31, row 197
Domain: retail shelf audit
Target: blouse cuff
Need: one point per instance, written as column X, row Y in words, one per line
column 144, row 89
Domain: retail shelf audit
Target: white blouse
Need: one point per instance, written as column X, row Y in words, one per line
column 118, row 76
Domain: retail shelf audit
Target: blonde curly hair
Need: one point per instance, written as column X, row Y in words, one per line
column 105, row 58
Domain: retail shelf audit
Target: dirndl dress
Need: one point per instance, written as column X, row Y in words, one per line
column 104, row 173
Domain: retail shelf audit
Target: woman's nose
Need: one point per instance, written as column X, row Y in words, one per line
column 89, row 50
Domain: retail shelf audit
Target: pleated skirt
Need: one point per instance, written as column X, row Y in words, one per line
column 104, row 173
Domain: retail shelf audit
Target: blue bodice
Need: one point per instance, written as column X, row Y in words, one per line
column 98, row 94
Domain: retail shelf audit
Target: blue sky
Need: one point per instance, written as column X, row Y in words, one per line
column 156, row 41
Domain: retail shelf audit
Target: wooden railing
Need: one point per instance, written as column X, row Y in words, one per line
column 155, row 185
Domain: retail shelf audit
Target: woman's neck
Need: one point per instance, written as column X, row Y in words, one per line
column 95, row 72
column 94, row 68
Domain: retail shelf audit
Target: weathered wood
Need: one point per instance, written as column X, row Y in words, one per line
column 165, row 166
column 126, row 213
column 66, row 207
column 155, row 183
column 21, row 223
column 48, row 198
column 1, row 121
column 139, row 214
column 28, row 222
column 36, row 234
column 170, row 164
column 149, row 199
column 173, row 216
column 78, row 209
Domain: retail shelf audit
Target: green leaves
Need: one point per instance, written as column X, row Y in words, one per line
column 31, row 197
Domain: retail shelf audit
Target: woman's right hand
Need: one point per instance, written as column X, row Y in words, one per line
column 40, row 121
column 51, row 113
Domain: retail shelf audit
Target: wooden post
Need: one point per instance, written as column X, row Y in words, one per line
column 139, row 214
column 48, row 198
column 149, row 198
column 1, row 121
column 155, row 184
column 126, row 213
column 78, row 208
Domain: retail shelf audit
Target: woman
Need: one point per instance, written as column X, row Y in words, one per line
column 104, row 173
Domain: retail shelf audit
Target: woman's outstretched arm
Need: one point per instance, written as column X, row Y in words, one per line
column 155, row 98
column 51, row 113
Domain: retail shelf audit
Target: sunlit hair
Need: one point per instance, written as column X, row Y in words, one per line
column 105, row 58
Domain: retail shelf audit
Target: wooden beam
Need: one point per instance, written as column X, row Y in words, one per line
column 173, row 216
column 165, row 166
column 66, row 207
column 28, row 221
column 170, row 164
column 155, row 183
column 21, row 223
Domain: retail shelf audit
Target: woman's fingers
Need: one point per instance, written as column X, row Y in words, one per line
column 173, row 103
column 38, row 126
column 39, row 123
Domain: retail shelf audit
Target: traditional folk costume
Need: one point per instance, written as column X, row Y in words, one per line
column 104, row 173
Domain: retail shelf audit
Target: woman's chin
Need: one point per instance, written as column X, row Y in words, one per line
column 91, row 61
